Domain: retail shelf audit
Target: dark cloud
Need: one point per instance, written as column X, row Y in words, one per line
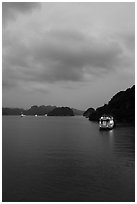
column 66, row 50
column 62, row 56
column 10, row 9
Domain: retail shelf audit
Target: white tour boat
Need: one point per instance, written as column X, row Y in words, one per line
column 106, row 122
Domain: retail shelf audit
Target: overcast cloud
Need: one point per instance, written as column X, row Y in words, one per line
column 11, row 9
column 46, row 45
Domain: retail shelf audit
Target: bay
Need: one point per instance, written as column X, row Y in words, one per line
column 66, row 159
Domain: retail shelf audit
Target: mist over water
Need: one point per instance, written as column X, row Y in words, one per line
column 66, row 159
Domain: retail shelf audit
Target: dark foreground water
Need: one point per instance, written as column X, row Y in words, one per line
column 66, row 159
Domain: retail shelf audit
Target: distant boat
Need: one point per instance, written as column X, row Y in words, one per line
column 45, row 114
column 106, row 122
column 36, row 115
column 22, row 115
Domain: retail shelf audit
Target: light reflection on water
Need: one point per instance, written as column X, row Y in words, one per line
column 111, row 137
column 66, row 159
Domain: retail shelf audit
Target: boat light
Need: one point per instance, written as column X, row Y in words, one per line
column 111, row 122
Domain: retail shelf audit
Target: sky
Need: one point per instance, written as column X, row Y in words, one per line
column 66, row 54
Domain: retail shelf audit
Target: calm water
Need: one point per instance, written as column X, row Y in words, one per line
column 66, row 159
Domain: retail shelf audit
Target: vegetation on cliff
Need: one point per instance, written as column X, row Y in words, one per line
column 121, row 107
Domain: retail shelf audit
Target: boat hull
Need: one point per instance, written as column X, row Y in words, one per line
column 106, row 128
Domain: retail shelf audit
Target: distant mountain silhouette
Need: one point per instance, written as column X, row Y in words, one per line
column 121, row 107
column 35, row 110
column 77, row 112
column 88, row 112
column 61, row 111
column 39, row 110
column 12, row 111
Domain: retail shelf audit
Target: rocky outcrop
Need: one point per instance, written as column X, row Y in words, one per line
column 121, row 107
column 88, row 112
column 39, row 110
column 61, row 111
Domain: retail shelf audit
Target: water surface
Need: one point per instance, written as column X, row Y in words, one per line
column 66, row 159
